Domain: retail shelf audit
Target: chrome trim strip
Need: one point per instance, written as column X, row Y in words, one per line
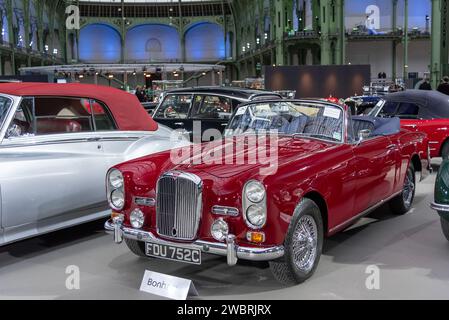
column 59, row 141
column 184, row 175
column 146, row 202
column 109, row 227
column 225, row 211
column 261, row 95
column 440, row 207
column 221, row 249
column 364, row 213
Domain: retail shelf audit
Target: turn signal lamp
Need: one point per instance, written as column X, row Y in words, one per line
column 256, row 237
column 114, row 214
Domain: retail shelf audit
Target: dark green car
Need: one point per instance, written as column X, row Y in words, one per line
column 441, row 203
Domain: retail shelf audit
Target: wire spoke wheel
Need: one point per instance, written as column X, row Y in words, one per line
column 409, row 189
column 304, row 245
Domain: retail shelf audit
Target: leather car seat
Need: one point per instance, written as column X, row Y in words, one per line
column 48, row 126
column 297, row 125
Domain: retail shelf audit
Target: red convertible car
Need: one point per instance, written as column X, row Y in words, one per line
column 327, row 171
column 420, row 110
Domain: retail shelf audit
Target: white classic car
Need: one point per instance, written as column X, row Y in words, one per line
column 57, row 142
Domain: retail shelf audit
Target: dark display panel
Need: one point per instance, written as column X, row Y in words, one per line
column 319, row 81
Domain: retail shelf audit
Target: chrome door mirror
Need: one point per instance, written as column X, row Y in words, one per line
column 364, row 134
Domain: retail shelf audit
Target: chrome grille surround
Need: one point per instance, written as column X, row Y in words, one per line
column 178, row 205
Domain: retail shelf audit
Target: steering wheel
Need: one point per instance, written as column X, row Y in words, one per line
column 18, row 128
column 169, row 112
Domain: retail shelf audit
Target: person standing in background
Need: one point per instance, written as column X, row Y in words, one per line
column 425, row 85
column 444, row 86
column 140, row 94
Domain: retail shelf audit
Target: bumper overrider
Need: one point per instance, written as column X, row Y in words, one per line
column 230, row 249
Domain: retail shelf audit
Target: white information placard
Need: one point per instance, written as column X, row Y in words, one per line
column 332, row 113
column 167, row 286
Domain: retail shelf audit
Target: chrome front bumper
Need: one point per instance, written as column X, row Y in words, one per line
column 440, row 207
column 230, row 249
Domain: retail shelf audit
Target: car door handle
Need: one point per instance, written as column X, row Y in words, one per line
column 95, row 139
column 224, row 124
column 179, row 124
column 413, row 126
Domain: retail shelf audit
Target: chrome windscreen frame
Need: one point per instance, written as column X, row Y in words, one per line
column 344, row 130
column 15, row 102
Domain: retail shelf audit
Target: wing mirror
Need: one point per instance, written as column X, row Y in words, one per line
column 364, row 134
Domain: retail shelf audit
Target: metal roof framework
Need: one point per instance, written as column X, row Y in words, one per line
column 122, row 68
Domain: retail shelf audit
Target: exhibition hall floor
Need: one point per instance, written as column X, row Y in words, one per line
column 410, row 251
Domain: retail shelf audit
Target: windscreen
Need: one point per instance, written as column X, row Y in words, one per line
column 306, row 119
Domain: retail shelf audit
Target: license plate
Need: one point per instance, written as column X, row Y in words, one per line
column 169, row 252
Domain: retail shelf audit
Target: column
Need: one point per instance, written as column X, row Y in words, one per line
column 326, row 49
column 26, row 24
column 406, row 38
column 213, row 76
column 40, row 26
column 337, row 27
column 394, row 19
column 281, row 23
column 10, row 16
column 220, row 77
column 123, row 34
column 440, row 38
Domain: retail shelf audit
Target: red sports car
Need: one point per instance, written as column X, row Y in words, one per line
column 420, row 110
column 286, row 175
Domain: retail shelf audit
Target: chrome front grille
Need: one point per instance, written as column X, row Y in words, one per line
column 179, row 205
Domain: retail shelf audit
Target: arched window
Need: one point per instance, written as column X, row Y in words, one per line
column 33, row 27
column 99, row 43
column 153, row 43
column 205, row 42
column 5, row 25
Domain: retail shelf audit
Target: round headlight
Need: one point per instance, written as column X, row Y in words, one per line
column 137, row 219
column 117, row 199
column 116, row 179
column 255, row 191
column 256, row 215
column 219, row 230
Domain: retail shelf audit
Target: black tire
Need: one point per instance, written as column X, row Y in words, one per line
column 285, row 270
column 445, row 228
column 136, row 247
column 402, row 204
column 445, row 150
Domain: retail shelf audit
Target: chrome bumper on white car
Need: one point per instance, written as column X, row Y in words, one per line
column 230, row 249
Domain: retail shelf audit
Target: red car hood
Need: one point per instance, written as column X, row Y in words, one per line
column 230, row 157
